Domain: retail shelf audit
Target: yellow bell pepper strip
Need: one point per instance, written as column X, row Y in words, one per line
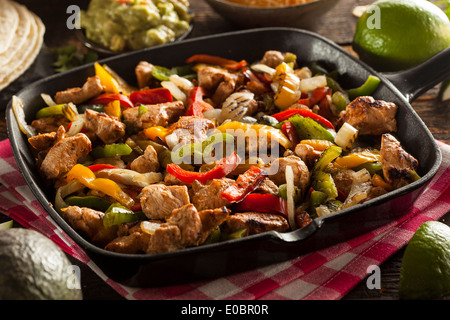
column 244, row 185
column 365, row 89
column 113, row 109
column 215, row 60
column 220, row 170
column 116, row 214
column 233, row 127
column 157, row 133
column 106, row 79
column 111, row 150
column 319, row 145
column 355, row 159
column 288, row 90
column 88, row 179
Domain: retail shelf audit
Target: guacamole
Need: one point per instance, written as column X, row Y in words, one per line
column 121, row 25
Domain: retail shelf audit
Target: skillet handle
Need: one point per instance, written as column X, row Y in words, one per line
column 415, row 81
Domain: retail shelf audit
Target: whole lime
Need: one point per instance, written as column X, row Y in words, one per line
column 392, row 35
column 425, row 269
column 32, row 267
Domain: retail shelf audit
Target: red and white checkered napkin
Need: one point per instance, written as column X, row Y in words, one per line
column 326, row 274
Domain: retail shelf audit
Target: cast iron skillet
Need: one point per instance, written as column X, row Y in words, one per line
column 258, row 250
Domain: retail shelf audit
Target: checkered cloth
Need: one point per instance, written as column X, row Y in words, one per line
column 327, row 274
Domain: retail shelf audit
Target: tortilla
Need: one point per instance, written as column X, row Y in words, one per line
column 25, row 48
column 9, row 20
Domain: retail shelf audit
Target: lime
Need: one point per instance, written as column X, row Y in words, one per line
column 425, row 269
column 392, row 35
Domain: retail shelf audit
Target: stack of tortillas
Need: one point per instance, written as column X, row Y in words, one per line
column 21, row 38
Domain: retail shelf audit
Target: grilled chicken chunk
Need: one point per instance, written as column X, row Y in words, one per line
column 49, row 124
column 143, row 73
column 91, row 88
column 277, row 171
column 148, row 162
column 397, row 163
column 64, row 154
column 272, row 58
column 207, row 196
column 89, row 222
column 161, row 114
column 158, row 200
column 191, row 129
column 370, row 116
column 106, row 128
column 218, row 82
column 255, row 222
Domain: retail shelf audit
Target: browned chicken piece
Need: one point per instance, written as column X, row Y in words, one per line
column 42, row 141
column 158, row 200
column 255, row 222
column 64, row 155
column 272, row 58
column 212, row 218
column 161, row 114
column 89, row 222
column 370, row 116
column 267, row 186
column 143, row 73
column 148, row 162
column 207, row 196
column 49, row 124
column 396, row 162
column 91, row 88
column 130, row 239
column 106, row 128
column 307, row 153
column 191, row 129
column 277, row 171
column 343, row 179
column 218, row 82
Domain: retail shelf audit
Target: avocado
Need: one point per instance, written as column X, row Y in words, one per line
column 32, row 267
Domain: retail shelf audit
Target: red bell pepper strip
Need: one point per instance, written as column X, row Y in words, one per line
column 215, row 60
column 97, row 167
column 220, row 170
column 244, row 185
column 106, row 98
column 290, row 132
column 195, row 104
column 318, row 94
column 283, row 115
column 265, row 203
column 151, row 96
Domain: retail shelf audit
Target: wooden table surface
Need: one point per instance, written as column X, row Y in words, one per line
column 337, row 25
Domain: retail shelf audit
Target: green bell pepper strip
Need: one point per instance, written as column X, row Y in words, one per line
column 111, row 150
column 372, row 167
column 50, row 111
column 317, row 198
column 340, row 100
column 282, row 192
column 236, row 234
column 366, row 89
column 308, row 128
column 326, row 157
column 324, row 182
column 214, row 236
column 202, row 149
column 117, row 214
column 92, row 202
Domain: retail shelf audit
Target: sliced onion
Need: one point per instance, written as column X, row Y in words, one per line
column 172, row 140
column 181, row 82
column 149, row 227
column 174, row 90
column 62, row 192
column 17, row 107
column 290, row 191
column 48, row 100
column 310, row 84
column 76, row 125
column 213, row 114
column 260, row 67
column 345, row 136
column 130, row 177
column 322, row 210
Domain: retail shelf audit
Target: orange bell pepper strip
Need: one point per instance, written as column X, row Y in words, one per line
column 113, row 109
column 106, row 79
column 220, row 170
column 87, row 177
column 215, row 60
